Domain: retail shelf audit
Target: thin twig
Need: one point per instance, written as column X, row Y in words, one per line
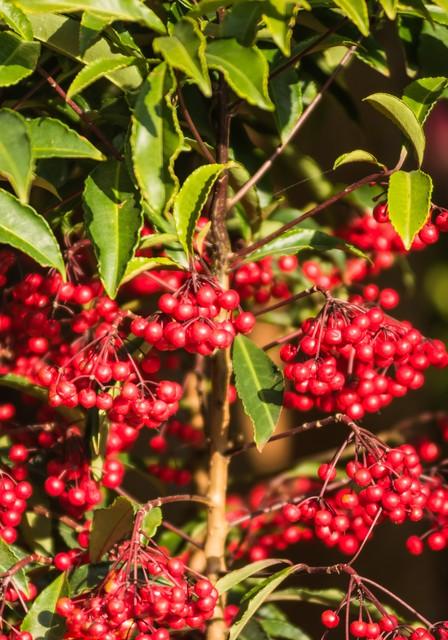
column 300, row 122
column 194, row 130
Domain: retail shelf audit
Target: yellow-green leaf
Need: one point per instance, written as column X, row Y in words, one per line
column 96, row 70
column 16, row 154
column 42, row 621
column 408, row 201
column 51, row 138
column 357, row 155
column 18, row 58
column 356, row 11
column 16, row 19
column 422, row 94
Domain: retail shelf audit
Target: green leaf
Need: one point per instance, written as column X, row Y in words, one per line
column 127, row 10
column 152, row 521
column 245, row 70
column 8, row 559
column 110, row 205
column 16, row 19
column 109, row 526
column 42, row 621
column 443, row 4
column 300, row 239
column 51, row 138
column 421, row 95
column 190, row 201
column 259, row 383
column 16, row 156
column 37, row 533
column 390, row 8
column 279, row 17
column 357, row 155
column 98, row 429
column 286, row 93
column 140, row 265
column 256, row 599
column 155, row 239
column 242, row 22
column 234, row 578
column 18, row 58
column 402, row 116
column 156, row 139
column 408, row 201
column 23, row 228
column 184, row 49
column 283, row 630
column 91, row 28
column 356, row 11
column 96, row 70
column 62, row 35
column 88, row 576
column 326, row 597
column 238, row 176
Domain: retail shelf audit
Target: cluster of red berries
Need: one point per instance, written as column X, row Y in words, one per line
column 147, row 595
column 387, row 626
column 13, row 502
column 198, row 317
column 436, row 223
column 356, row 360
column 261, row 280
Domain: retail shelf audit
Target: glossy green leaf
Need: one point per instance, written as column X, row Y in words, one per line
column 233, row 578
column 156, row 139
column 422, row 94
column 256, row 598
column 113, row 220
column 190, row 201
column 326, row 597
column 155, row 239
column 128, row 10
column 356, row 11
column 403, row 117
column 390, row 8
column 242, row 22
column 152, row 521
column 245, row 70
column 90, row 29
column 8, row 559
column 140, row 265
column 443, row 4
column 87, row 576
column 37, row 533
column 184, row 49
column 16, row 19
column 109, row 526
column 283, row 630
column 286, row 93
column 300, row 239
column 42, row 621
column 16, row 155
column 279, row 17
column 408, row 201
column 62, row 35
column 259, row 384
column 23, row 228
column 52, row 138
column 18, row 58
column 357, row 155
column 96, row 70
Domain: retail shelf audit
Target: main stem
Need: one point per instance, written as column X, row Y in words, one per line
column 218, row 406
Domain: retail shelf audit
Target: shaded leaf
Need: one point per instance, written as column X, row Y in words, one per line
column 16, row 19
column 16, row 156
column 184, row 49
column 23, row 228
column 51, row 138
column 390, row 8
column 256, row 598
column 8, row 558
column 109, row 526
column 402, row 116
column 279, row 17
column 299, row 239
column 42, row 621
column 36, row 530
column 190, row 201
column 357, row 155
column 408, row 201
column 237, row 576
column 326, row 597
column 110, row 204
column 238, row 176
column 422, row 94
column 156, row 139
column 140, row 265
column 96, row 70
column 241, row 22
column 259, row 383
column 245, row 70
column 286, row 93
column 356, row 11
column 91, row 28
column 18, row 58
column 87, row 576
column 282, row 629
column 151, row 522
column 128, row 10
